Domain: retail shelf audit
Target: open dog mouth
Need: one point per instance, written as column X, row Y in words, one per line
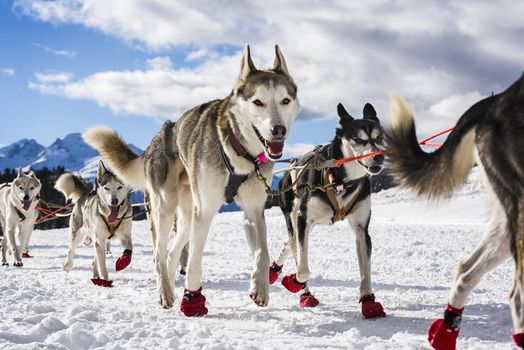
column 274, row 148
column 373, row 169
column 26, row 204
column 113, row 215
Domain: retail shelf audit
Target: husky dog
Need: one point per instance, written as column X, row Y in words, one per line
column 347, row 197
column 490, row 134
column 210, row 156
column 18, row 212
column 98, row 215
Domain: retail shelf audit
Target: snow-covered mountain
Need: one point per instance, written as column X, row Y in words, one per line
column 71, row 152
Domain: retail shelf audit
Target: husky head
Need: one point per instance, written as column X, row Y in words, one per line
column 110, row 190
column 26, row 187
column 361, row 136
column 266, row 102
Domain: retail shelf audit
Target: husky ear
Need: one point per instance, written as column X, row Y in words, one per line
column 280, row 63
column 342, row 113
column 369, row 112
column 32, row 174
column 20, row 172
column 246, row 65
column 101, row 170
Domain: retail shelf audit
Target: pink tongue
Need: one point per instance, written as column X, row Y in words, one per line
column 26, row 204
column 114, row 214
column 275, row 148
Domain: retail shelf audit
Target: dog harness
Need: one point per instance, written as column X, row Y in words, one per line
column 341, row 212
column 111, row 227
column 235, row 180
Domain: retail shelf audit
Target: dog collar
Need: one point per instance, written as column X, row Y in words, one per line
column 241, row 151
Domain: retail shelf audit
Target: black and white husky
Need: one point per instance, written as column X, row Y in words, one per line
column 99, row 215
column 490, row 133
column 347, row 197
column 18, row 214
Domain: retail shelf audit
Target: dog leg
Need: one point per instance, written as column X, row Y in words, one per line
column 183, row 225
column 491, row 252
column 25, row 234
column 297, row 282
column 256, row 235
column 276, row 267
column 74, row 240
column 4, row 252
column 163, row 212
column 127, row 243
column 11, row 235
column 100, row 251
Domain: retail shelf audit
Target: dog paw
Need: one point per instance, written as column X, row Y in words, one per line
column 370, row 307
column 259, row 292
column 167, row 299
column 18, row 263
column 68, row 266
column 5, row 263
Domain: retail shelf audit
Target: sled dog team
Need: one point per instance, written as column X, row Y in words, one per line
column 218, row 151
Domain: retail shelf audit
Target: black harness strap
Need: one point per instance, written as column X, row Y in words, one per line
column 20, row 214
column 235, row 181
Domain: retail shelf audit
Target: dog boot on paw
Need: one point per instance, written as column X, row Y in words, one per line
column 292, row 284
column 102, row 282
column 518, row 338
column 370, row 307
column 443, row 333
column 308, row 300
column 274, row 272
column 124, row 260
column 193, row 303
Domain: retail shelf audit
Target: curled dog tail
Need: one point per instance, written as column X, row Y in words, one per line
column 123, row 161
column 71, row 186
column 435, row 174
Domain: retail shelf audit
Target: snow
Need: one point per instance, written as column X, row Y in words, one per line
column 416, row 247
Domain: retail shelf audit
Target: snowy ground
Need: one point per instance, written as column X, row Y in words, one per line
column 415, row 249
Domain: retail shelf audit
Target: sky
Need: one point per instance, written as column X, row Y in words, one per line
column 130, row 64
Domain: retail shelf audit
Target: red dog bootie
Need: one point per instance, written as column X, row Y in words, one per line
column 292, row 284
column 274, row 271
column 124, row 260
column 370, row 307
column 518, row 338
column 25, row 255
column 193, row 303
column 102, row 282
column 308, row 300
column 443, row 333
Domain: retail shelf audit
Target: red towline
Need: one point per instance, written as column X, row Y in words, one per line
column 339, row 162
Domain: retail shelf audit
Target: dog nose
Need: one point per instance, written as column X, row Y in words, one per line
column 278, row 131
column 379, row 158
column 26, row 197
column 114, row 201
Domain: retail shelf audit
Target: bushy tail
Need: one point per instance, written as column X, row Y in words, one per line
column 123, row 161
column 434, row 174
column 71, row 186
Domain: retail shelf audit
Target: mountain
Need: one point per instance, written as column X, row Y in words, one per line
column 71, row 152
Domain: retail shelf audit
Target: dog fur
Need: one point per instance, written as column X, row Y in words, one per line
column 18, row 214
column 183, row 171
column 490, row 133
column 304, row 209
column 90, row 212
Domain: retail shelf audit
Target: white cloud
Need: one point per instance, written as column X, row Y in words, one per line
column 298, row 149
column 439, row 56
column 8, row 72
column 53, row 77
column 65, row 53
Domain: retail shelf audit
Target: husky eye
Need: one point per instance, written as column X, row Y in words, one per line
column 106, row 188
column 21, row 188
column 379, row 139
column 32, row 188
column 119, row 187
column 258, row 103
column 286, row 101
column 359, row 141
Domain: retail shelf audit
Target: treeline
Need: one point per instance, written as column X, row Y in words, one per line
column 48, row 194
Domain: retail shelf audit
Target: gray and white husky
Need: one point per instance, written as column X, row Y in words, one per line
column 209, row 157
column 346, row 195
column 490, row 134
column 99, row 215
column 18, row 214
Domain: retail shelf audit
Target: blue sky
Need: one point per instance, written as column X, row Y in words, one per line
column 65, row 66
